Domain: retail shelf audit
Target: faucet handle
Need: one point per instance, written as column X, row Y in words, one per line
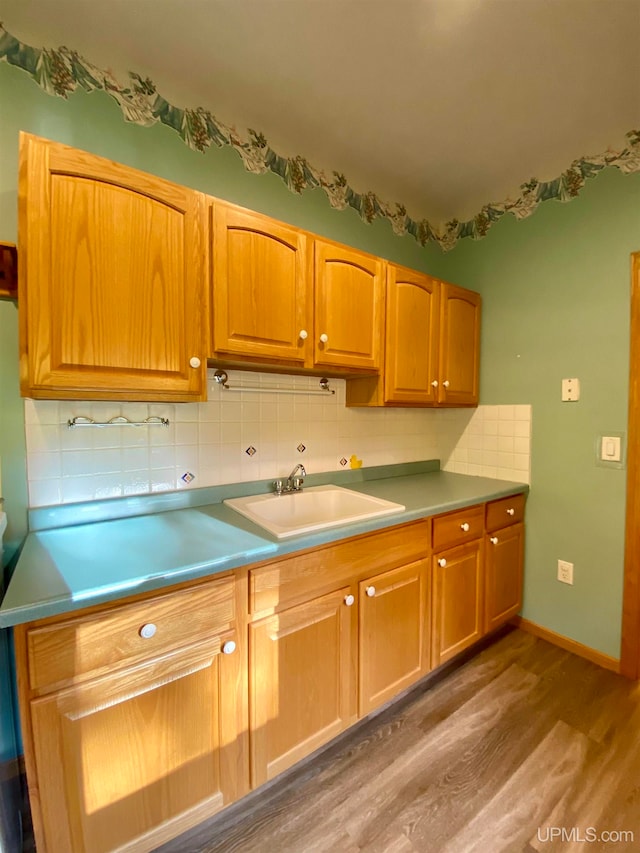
column 297, row 483
column 277, row 487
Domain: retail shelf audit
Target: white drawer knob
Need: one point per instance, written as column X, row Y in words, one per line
column 442, row 562
column 371, row 591
column 434, row 384
column 303, row 334
column 349, row 600
column 511, row 511
column 465, row 527
column 494, row 540
column 229, row 647
column 324, row 339
column 194, row 361
column 147, row 631
column 446, row 383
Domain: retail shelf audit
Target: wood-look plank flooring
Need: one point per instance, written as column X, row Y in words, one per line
column 525, row 747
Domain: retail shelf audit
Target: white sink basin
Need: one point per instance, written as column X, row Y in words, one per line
column 311, row 509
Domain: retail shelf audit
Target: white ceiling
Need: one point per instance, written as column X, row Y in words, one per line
column 442, row 105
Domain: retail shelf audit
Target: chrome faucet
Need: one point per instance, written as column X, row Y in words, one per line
column 294, row 482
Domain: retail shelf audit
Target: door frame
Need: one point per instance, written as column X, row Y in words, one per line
column 630, row 645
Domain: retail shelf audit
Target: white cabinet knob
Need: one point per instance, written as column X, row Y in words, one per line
column 194, row 361
column 349, row 600
column 324, row 339
column 511, row 511
column 229, row 647
column 446, row 383
column 465, row 527
column 303, row 334
column 147, row 631
column 442, row 562
column 494, row 540
column 371, row 591
column 434, row 384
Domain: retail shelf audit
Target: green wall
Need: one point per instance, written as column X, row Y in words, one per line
column 556, row 304
column 556, row 296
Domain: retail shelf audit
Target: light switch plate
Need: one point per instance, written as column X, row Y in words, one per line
column 610, row 449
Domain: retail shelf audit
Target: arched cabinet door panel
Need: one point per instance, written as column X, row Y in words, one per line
column 111, row 279
column 459, row 346
column 349, row 307
column 261, row 287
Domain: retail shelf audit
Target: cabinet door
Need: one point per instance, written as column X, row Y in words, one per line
column 111, row 278
column 130, row 760
column 459, row 346
column 303, row 686
column 349, row 305
column 457, row 600
column 393, row 633
column 504, row 562
column 261, row 287
column 411, row 345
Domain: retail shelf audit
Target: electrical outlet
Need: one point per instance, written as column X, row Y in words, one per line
column 565, row 572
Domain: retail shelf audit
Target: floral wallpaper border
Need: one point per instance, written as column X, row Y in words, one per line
column 59, row 72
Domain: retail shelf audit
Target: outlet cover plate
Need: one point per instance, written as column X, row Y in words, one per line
column 565, row 572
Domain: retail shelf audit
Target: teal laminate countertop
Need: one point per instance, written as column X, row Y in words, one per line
column 90, row 561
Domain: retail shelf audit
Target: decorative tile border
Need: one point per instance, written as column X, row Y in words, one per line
column 60, row 72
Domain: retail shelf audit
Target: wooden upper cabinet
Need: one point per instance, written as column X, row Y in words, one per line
column 459, row 346
column 349, row 306
column 111, row 279
column 411, row 340
column 432, row 345
column 261, row 287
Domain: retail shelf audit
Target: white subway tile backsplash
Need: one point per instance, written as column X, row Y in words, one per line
column 522, row 428
column 207, row 442
column 44, row 492
column 163, row 480
column 44, row 466
column 45, row 438
column 186, row 433
column 505, row 450
column 161, row 457
column 186, row 413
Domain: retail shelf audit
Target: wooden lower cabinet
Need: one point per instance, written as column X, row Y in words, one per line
column 303, row 681
column 393, row 633
column 133, row 736
column 504, row 553
column 135, row 758
column 125, row 756
column 458, row 597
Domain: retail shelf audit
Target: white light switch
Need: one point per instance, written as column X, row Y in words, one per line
column 610, row 448
column 570, row 390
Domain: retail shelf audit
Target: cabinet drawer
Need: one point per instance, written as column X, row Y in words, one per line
column 505, row 512
column 458, row 527
column 57, row 653
column 279, row 584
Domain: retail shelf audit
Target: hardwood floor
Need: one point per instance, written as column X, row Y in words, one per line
column 524, row 748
